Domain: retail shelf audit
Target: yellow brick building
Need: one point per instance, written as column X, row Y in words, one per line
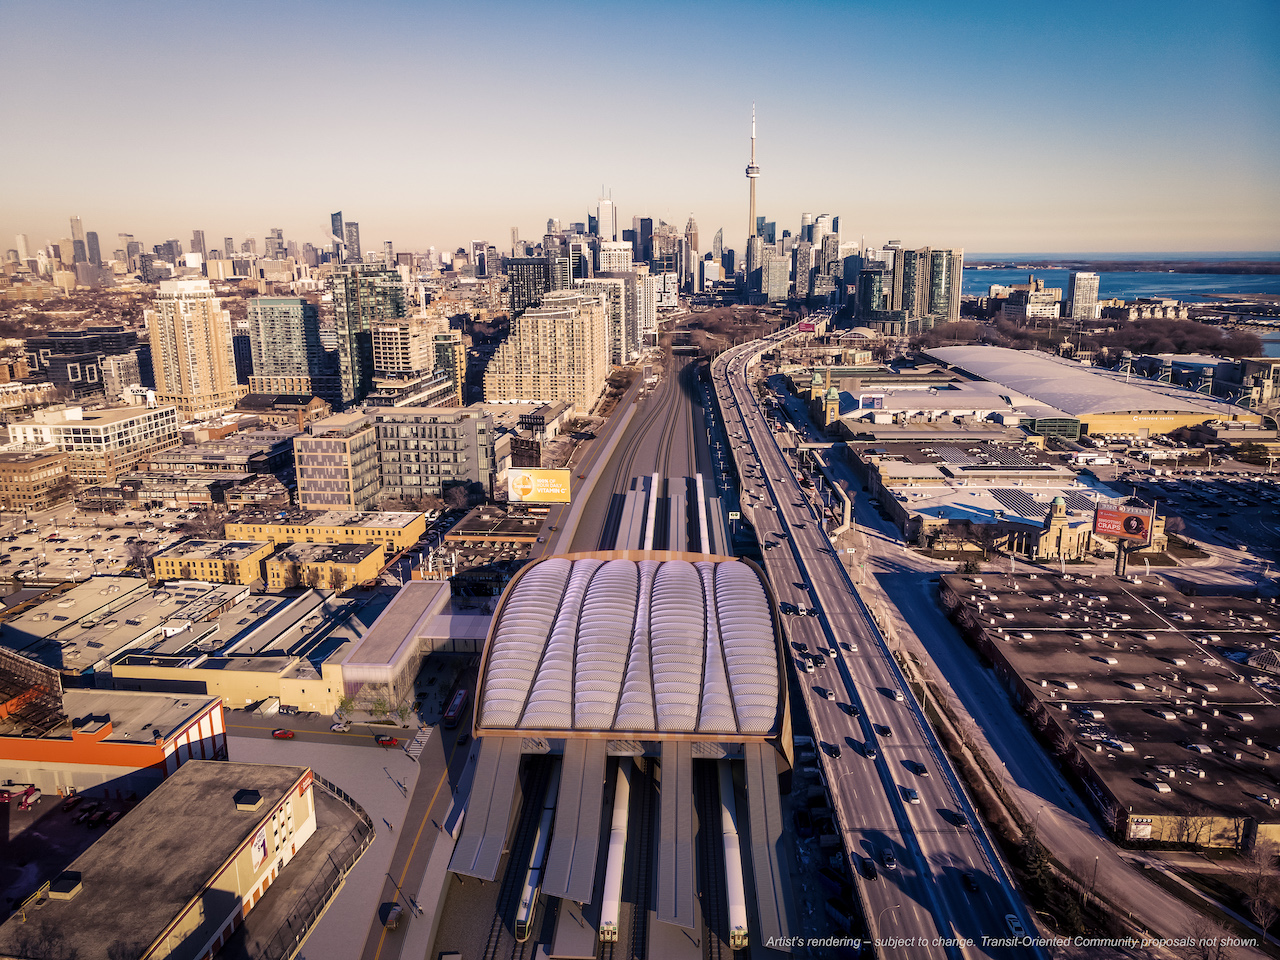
column 393, row 531
column 217, row 561
column 324, row 566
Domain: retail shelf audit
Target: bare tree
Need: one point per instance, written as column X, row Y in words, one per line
column 1208, row 940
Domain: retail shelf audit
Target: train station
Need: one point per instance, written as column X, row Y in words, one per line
column 632, row 727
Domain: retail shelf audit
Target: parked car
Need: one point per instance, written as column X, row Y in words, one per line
column 280, row 733
column 386, row 740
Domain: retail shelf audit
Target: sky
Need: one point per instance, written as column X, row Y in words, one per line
column 993, row 126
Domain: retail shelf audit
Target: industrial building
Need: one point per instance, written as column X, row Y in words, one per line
column 179, row 873
column 1103, row 401
column 604, row 673
column 100, row 742
column 1152, row 698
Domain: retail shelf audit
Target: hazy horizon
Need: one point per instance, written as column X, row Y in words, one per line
column 1118, row 127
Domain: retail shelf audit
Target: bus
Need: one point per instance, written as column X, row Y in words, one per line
column 457, row 707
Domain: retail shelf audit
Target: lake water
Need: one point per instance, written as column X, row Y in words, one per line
column 1189, row 287
column 1271, row 345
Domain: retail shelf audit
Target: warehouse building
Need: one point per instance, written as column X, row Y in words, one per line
column 179, row 873
column 98, row 742
column 324, row 566
column 1144, row 692
column 1103, row 401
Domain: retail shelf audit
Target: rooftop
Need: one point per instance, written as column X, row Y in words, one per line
column 227, row 550
column 327, row 552
column 76, row 416
column 327, row 518
column 1074, row 388
column 638, row 642
column 146, row 869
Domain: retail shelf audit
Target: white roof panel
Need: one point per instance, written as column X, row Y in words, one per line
column 635, row 646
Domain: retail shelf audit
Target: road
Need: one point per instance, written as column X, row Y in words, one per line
column 924, row 898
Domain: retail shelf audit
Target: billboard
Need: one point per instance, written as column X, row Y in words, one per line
column 1128, row 522
column 871, row 401
column 537, row 486
column 804, row 328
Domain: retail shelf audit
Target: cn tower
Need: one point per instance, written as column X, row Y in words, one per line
column 752, row 173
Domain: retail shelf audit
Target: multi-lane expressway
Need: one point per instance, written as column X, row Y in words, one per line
column 937, row 884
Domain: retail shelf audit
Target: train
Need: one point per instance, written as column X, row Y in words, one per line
column 530, row 893
column 612, row 904
column 735, row 894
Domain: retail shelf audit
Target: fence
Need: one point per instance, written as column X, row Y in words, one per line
column 287, row 939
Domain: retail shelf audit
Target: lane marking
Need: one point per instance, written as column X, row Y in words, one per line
column 425, row 816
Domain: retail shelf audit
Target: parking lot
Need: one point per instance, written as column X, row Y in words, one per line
column 73, row 545
column 1220, row 507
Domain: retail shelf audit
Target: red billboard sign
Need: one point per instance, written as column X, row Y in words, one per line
column 1127, row 523
column 805, row 327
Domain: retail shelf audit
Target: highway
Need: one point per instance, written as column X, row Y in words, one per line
column 873, row 760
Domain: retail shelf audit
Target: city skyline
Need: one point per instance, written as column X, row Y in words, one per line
column 1148, row 128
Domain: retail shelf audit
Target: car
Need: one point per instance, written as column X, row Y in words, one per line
column 910, row 795
column 959, row 819
column 808, row 665
column 869, row 868
column 811, row 612
column 870, row 752
column 919, row 769
column 97, row 819
column 884, row 730
column 340, row 727
column 849, row 647
column 386, row 740
column 851, row 709
column 113, row 816
column 1015, row 925
column 72, row 802
column 897, row 695
column 829, row 693
column 280, row 733
column 969, row 880
column 833, row 749
column 888, row 859
column 463, row 739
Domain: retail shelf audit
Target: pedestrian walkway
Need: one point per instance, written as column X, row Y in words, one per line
column 415, row 747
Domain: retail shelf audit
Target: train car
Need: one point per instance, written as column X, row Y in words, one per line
column 612, row 904
column 530, row 893
column 457, row 707
column 734, row 892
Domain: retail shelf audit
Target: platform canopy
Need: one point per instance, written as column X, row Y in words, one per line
column 638, row 643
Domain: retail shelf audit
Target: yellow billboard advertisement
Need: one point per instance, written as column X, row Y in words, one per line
column 527, row 485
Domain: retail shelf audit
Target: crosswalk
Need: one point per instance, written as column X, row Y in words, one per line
column 419, row 743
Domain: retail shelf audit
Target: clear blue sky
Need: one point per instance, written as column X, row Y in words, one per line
column 1053, row 126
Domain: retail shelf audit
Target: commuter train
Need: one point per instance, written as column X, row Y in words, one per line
column 530, row 893
column 612, row 904
column 734, row 892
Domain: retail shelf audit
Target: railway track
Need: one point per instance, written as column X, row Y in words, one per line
column 715, row 937
column 501, row 941
column 642, row 895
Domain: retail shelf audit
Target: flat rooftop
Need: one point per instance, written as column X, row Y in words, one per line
column 1077, row 389
column 1118, row 663
column 395, row 634
column 135, row 717
column 146, row 869
column 327, row 518
column 327, row 552
column 227, row 550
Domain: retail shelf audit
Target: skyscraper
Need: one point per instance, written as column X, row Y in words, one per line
column 1082, row 292
column 354, row 253
column 528, row 279
column 191, row 349
column 230, row 244
column 24, row 247
column 803, row 252
column 362, row 296
column 558, row 351
column 946, row 270
column 284, row 343
column 80, row 254
column 753, row 173
column 717, row 246
column 92, row 250
column 606, row 219
column 338, row 233
column 197, row 243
